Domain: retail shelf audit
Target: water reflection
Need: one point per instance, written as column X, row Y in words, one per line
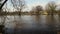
column 34, row 22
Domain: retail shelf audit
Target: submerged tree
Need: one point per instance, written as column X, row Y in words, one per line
column 18, row 5
column 51, row 8
column 37, row 9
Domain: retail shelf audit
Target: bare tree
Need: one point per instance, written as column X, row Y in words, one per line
column 51, row 7
column 3, row 17
column 18, row 5
column 37, row 9
column 1, row 5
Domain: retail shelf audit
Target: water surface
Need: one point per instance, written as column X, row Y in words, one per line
column 31, row 23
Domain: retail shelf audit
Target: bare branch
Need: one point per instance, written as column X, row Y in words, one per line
column 3, row 4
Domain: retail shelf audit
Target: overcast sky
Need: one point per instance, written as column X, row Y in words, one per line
column 31, row 3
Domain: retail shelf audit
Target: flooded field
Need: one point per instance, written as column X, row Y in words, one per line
column 26, row 23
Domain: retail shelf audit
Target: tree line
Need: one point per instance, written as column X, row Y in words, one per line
column 19, row 5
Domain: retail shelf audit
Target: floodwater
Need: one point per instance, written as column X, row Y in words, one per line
column 26, row 23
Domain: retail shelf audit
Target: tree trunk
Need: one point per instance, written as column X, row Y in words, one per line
column 20, row 12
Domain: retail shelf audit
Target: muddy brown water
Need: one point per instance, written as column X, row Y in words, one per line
column 34, row 24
